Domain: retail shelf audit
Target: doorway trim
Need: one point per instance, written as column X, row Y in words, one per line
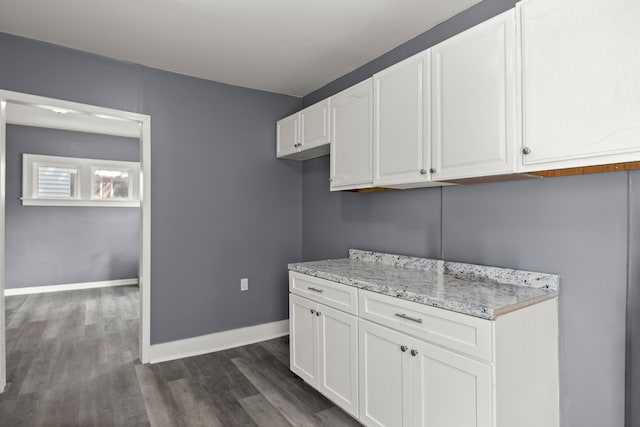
column 88, row 113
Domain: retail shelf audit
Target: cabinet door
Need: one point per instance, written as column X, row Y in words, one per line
column 338, row 361
column 315, row 125
column 449, row 389
column 401, row 152
column 580, row 87
column 287, row 135
column 474, row 101
column 385, row 376
column 303, row 344
column 352, row 137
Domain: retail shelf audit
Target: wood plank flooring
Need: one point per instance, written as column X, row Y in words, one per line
column 72, row 360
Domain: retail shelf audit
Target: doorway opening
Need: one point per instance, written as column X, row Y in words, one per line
column 34, row 111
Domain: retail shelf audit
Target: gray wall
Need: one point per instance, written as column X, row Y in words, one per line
column 575, row 226
column 223, row 207
column 50, row 245
column 633, row 305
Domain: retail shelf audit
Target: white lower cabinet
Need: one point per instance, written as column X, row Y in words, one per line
column 448, row 389
column 303, row 341
column 324, row 350
column 385, row 376
column 408, row 382
column 396, row 363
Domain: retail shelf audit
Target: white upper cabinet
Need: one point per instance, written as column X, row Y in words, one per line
column 474, row 112
column 287, row 131
column 401, row 153
column 315, row 125
column 304, row 135
column 352, row 137
column 580, row 82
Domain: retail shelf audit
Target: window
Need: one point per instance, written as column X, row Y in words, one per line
column 72, row 181
column 57, row 182
column 109, row 184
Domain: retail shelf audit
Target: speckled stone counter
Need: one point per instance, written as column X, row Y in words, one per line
column 476, row 290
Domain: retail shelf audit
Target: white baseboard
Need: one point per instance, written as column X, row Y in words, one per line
column 217, row 341
column 69, row 287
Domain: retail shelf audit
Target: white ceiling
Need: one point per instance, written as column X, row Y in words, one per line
column 284, row 46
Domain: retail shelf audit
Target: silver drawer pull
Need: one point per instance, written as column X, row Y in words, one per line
column 315, row 289
column 404, row 316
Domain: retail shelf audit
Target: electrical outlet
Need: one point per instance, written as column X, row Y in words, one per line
column 244, row 284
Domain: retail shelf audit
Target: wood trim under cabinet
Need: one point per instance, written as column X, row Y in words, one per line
column 371, row 190
column 584, row 170
column 610, row 167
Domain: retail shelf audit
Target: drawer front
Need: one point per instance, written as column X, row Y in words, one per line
column 335, row 295
column 466, row 334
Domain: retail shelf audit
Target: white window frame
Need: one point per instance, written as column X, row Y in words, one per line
column 84, row 181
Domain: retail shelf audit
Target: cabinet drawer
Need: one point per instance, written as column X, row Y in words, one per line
column 335, row 295
column 460, row 332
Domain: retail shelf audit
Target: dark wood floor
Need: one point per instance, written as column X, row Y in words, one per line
column 72, row 361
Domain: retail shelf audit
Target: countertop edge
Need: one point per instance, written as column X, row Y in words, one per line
column 477, row 311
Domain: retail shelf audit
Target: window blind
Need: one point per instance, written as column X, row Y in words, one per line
column 56, row 182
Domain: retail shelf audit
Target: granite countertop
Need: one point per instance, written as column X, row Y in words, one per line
column 480, row 291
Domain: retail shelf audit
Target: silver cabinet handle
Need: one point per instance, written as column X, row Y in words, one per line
column 414, row 352
column 404, row 348
column 423, row 171
column 318, row 313
column 413, row 319
column 313, row 311
column 432, row 170
column 315, row 289
column 526, row 150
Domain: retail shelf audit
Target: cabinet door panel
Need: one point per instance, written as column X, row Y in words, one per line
column 315, row 125
column 385, row 376
column 581, row 91
column 338, row 362
column 474, row 101
column 287, row 135
column 352, row 137
column 449, row 389
column 304, row 339
column 401, row 134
